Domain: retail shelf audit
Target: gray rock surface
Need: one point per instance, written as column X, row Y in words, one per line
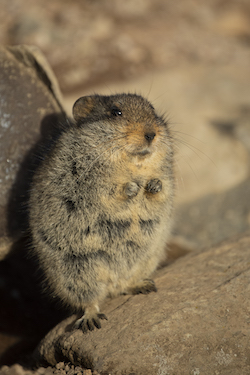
column 30, row 96
column 30, row 102
column 215, row 217
column 197, row 322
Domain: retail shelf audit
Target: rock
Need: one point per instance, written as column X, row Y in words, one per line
column 30, row 104
column 30, row 97
column 60, row 369
column 215, row 217
column 14, row 370
column 197, row 322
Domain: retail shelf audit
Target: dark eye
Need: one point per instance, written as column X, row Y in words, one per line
column 116, row 111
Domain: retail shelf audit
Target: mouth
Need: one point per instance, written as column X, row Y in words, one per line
column 141, row 153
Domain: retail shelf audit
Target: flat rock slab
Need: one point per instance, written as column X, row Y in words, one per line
column 197, row 323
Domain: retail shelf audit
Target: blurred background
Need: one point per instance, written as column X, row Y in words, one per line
column 89, row 42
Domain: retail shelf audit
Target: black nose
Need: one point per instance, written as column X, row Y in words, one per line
column 149, row 136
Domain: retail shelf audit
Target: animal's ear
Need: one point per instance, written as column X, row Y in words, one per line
column 83, row 107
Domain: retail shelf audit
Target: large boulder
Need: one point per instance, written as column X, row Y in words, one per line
column 30, row 103
column 197, row 322
column 30, row 98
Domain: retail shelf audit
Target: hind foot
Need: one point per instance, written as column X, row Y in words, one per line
column 90, row 320
column 145, row 287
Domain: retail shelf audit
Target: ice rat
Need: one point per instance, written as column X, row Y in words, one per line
column 101, row 202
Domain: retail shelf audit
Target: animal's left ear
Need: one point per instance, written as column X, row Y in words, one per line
column 83, row 107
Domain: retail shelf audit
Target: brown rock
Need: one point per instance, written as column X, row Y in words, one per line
column 197, row 322
column 29, row 97
column 14, row 370
column 60, row 369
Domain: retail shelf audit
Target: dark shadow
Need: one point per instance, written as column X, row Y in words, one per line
column 26, row 311
column 51, row 128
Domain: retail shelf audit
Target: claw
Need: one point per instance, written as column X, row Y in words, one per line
column 89, row 324
column 154, row 186
column 147, row 286
column 102, row 316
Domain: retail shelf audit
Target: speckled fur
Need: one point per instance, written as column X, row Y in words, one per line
column 101, row 202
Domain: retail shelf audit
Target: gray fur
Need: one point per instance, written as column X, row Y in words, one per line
column 101, row 202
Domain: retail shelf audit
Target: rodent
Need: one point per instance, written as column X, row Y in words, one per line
column 101, row 202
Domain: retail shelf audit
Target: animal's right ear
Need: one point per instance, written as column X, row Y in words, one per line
column 83, row 107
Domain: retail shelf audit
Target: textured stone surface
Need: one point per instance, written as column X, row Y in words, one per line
column 197, row 323
column 29, row 99
column 61, row 368
column 30, row 103
column 215, row 217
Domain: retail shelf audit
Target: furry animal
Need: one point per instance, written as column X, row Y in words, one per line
column 101, row 202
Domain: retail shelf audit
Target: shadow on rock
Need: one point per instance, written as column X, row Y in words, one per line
column 25, row 311
column 17, row 212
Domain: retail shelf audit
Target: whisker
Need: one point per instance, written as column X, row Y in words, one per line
column 195, row 150
column 188, row 135
column 180, row 178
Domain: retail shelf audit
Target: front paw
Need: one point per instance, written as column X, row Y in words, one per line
column 89, row 323
column 131, row 189
column 154, row 186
